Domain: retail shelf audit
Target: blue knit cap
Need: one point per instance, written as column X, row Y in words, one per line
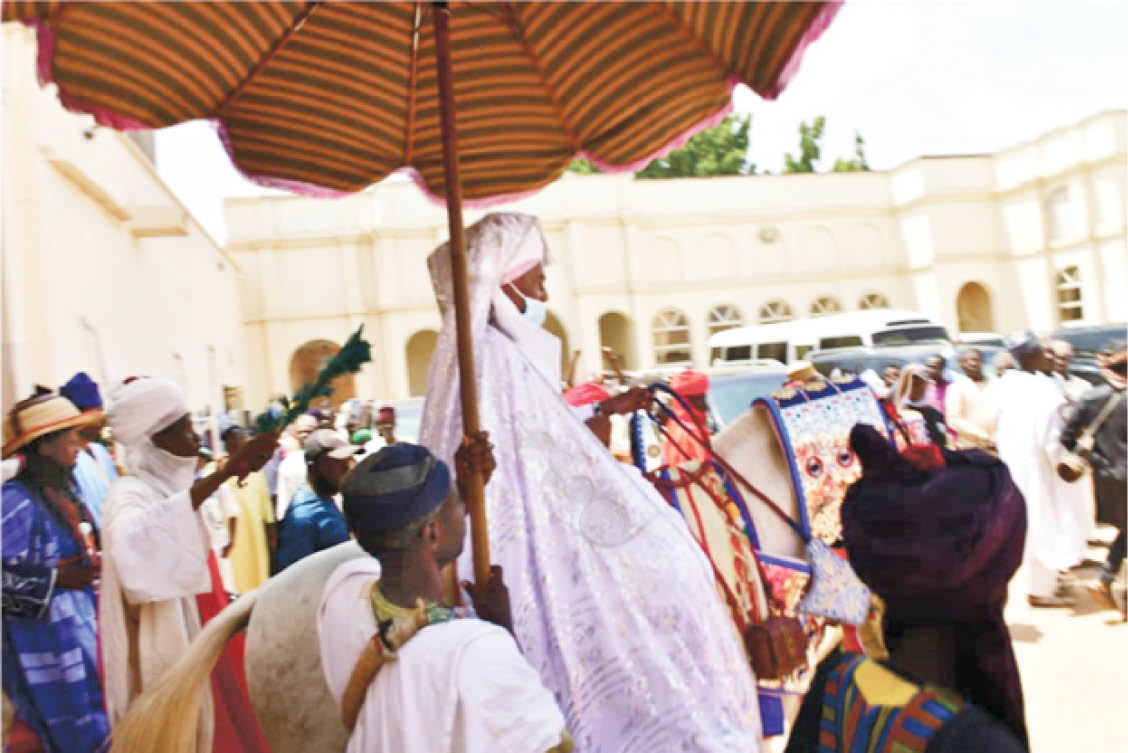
column 399, row 485
column 82, row 391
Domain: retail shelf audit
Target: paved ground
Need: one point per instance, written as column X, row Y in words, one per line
column 1074, row 665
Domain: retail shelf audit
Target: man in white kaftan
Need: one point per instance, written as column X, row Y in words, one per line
column 1028, row 436
column 457, row 685
column 613, row 602
column 155, row 546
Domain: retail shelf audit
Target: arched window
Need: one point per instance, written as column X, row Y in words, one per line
column 1070, row 306
column 775, row 311
column 824, row 305
column 671, row 337
column 418, row 351
column 725, row 316
column 873, row 301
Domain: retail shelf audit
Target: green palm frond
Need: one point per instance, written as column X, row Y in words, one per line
column 355, row 353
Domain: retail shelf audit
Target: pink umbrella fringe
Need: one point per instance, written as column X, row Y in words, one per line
column 820, row 23
column 45, row 38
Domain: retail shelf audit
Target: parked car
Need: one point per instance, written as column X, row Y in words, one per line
column 993, row 339
column 731, row 394
column 1087, row 342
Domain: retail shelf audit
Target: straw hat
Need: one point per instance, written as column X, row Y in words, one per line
column 38, row 416
column 803, row 371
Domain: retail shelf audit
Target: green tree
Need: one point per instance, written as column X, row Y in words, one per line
column 809, row 148
column 582, row 166
column 856, row 165
column 720, row 150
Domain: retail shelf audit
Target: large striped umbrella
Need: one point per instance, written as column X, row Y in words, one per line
column 326, row 98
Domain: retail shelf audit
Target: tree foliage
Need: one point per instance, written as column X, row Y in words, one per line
column 810, row 150
column 856, row 165
column 720, row 150
column 809, row 147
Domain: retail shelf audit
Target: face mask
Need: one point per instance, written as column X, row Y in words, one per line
column 177, row 472
column 535, row 311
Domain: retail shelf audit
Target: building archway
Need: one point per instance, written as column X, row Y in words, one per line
column 553, row 325
column 973, row 308
column 418, row 352
column 616, row 331
column 308, row 360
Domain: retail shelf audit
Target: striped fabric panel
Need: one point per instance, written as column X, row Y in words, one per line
column 338, row 94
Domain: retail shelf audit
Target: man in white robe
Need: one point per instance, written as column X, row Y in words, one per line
column 614, row 603
column 1028, row 435
column 155, row 547
column 458, row 684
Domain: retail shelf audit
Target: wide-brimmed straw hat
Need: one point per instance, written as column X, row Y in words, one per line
column 38, row 416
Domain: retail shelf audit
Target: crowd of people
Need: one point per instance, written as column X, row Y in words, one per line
column 601, row 628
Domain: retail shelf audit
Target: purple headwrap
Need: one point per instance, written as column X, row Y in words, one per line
column 939, row 547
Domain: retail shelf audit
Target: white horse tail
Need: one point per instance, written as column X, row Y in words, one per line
column 166, row 716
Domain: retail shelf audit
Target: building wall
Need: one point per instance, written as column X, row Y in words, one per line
column 916, row 236
column 103, row 270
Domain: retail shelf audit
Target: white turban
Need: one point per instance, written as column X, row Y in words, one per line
column 1022, row 343
column 142, row 407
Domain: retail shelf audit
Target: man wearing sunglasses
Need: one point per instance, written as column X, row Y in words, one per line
column 1108, row 457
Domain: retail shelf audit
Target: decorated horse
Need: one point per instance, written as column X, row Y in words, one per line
column 765, row 508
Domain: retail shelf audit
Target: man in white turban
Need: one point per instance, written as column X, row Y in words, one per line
column 1028, row 435
column 612, row 600
column 156, row 577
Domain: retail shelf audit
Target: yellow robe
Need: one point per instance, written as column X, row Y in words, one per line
column 250, row 555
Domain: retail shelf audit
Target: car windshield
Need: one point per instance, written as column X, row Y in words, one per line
column 1087, row 343
column 911, row 335
column 731, row 395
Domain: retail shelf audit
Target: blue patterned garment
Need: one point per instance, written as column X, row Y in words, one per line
column 94, row 473
column 50, row 651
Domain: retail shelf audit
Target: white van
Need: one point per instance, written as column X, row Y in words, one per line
column 791, row 341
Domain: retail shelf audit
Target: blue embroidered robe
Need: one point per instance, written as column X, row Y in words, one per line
column 50, row 647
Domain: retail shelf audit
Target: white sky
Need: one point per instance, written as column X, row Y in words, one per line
column 956, row 77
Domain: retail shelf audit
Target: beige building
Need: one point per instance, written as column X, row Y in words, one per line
column 103, row 269
column 1032, row 236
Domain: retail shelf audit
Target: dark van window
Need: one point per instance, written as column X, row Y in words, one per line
column 738, row 353
column 775, row 351
column 845, row 341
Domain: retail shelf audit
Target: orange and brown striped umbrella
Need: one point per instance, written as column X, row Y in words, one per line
column 329, row 97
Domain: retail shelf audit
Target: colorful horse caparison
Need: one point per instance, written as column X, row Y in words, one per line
column 794, row 449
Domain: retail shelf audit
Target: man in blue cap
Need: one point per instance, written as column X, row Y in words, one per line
column 457, row 685
column 95, row 471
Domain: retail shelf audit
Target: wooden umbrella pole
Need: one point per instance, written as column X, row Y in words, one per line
column 475, row 492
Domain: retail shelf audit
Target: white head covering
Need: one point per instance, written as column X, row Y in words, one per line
column 1021, row 343
column 501, row 247
column 140, row 408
